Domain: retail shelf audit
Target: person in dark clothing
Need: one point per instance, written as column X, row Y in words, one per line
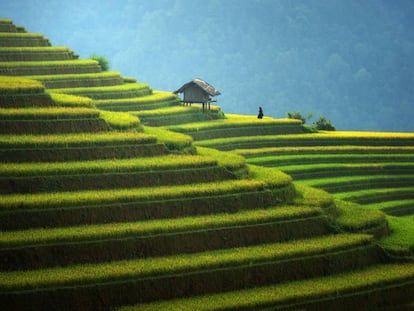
column 260, row 115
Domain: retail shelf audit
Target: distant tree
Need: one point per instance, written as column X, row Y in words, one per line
column 324, row 124
column 103, row 62
column 298, row 116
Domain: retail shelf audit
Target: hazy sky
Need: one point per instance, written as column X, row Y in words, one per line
column 351, row 61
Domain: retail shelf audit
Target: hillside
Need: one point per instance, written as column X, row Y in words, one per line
column 114, row 195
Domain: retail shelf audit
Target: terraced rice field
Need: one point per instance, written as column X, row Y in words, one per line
column 364, row 174
column 117, row 91
column 35, row 53
column 154, row 100
column 315, row 293
column 315, row 140
column 106, row 78
column 236, row 126
column 140, row 217
column 49, row 67
column 372, row 169
column 22, row 39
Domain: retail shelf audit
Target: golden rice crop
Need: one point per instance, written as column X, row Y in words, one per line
column 167, row 111
column 98, row 89
column 120, row 120
column 401, row 241
column 47, row 113
column 154, row 97
column 20, row 49
column 104, row 166
column 83, row 198
column 324, row 150
column 14, row 85
column 157, row 226
column 67, row 100
column 177, row 264
column 355, row 217
column 231, row 122
column 104, row 74
column 20, row 35
column 313, row 196
column 71, row 140
column 174, row 141
column 54, row 63
column 300, row 291
column 226, row 159
column 318, row 139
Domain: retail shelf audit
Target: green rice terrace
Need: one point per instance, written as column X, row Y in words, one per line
column 116, row 196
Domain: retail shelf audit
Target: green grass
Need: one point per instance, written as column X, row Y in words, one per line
column 152, row 227
column 105, row 166
column 17, row 85
column 87, row 274
column 401, row 240
column 73, row 140
column 52, row 113
column 298, row 292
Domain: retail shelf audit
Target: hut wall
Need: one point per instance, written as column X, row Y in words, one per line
column 193, row 93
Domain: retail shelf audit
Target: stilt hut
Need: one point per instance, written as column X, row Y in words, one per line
column 198, row 91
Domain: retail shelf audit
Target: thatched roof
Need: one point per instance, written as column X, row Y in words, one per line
column 210, row 90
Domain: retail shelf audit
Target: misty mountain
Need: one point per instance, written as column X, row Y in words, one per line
column 351, row 61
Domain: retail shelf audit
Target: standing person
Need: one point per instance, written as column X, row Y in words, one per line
column 260, row 115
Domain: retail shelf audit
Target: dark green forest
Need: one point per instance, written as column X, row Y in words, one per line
column 351, row 61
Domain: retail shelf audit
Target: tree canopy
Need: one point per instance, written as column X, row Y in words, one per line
column 352, row 61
